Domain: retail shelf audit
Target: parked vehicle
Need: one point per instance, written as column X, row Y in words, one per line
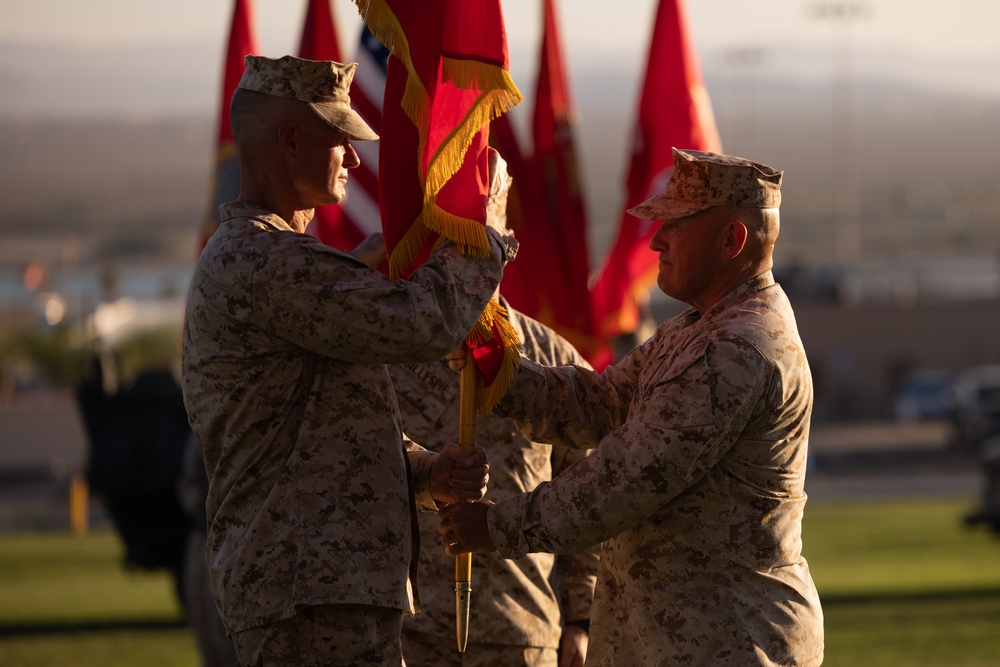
column 923, row 393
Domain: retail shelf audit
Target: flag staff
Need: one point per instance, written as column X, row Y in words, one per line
column 444, row 84
column 468, row 402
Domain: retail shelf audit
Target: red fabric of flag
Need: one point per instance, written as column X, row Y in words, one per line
column 526, row 216
column 319, row 33
column 447, row 79
column 546, row 208
column 226, row 186
column 556, row 159
column 674, row 111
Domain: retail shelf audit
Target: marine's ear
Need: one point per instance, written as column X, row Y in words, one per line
column 734, row 238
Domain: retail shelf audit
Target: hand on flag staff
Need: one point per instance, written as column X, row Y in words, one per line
column 457, row 476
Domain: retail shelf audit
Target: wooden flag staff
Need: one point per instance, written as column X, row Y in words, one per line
column 468, row 400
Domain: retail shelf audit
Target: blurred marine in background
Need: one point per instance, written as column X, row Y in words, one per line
column 533, row 611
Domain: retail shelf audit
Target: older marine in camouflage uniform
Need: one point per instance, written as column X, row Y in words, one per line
column 519, row 605
column 310, row 511
column 696, row 486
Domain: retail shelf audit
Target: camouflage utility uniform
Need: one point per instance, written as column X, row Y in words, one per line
column 516, row 604
column 285, row 341
column 696, row 488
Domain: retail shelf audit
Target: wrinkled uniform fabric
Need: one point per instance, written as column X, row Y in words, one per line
column 284, row 353
column 514, row 602
column 422, row 650
column 325, row 636
column 695, row 489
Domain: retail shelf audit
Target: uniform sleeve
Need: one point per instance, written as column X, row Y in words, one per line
column 590, row 405
column 690, row 420
column 574, row 574
column 421, row 461
column 325, row 301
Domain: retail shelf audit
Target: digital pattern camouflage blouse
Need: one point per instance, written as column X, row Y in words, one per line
column 284, row 377
column 695, row 488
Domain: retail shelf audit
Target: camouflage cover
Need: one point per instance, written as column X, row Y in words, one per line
column 324, row 85
column 701, row 180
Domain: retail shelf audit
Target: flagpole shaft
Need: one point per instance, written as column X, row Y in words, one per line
column 468, row 399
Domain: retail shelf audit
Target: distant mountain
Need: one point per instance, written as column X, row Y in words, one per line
column 121, row 157
column 925, row 161
column 49, row 80
column 118, row 187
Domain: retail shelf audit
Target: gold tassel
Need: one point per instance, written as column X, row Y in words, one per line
column 500, row 95
column 495, row 314
column 405, row 251
column 383, row 24
column 478, row 75
column 469, row 235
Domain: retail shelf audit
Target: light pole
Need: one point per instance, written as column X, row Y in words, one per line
column 846, row 188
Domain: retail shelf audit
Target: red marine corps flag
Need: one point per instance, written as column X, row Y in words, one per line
column 547, row 209
column 447, row 79
column 242, row 42
column 674, row 110
column 319, row 33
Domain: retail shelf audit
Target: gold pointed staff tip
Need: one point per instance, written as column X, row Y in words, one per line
column 463, row 599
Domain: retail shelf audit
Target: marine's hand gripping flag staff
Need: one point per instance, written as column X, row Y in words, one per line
column 447, row 79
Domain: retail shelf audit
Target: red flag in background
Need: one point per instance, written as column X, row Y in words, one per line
column 549, row 280
column 522, row 284
column 674, row 110
column 226, row 188
column 556, row 159
column 447, row 79
column 319, row 33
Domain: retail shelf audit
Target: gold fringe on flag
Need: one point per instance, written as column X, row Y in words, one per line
column 499, row 95
column 495, row 315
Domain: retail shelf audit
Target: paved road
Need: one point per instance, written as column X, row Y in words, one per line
column 887, row 460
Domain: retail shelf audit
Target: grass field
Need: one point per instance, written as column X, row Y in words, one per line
column 904, row 584
column 68, row 602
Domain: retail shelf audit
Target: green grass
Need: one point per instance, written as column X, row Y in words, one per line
column 67, row 601
column 903, row 584
column 119, row 648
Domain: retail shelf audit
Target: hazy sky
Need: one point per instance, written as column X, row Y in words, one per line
column 959, row 28
column 167, row 55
